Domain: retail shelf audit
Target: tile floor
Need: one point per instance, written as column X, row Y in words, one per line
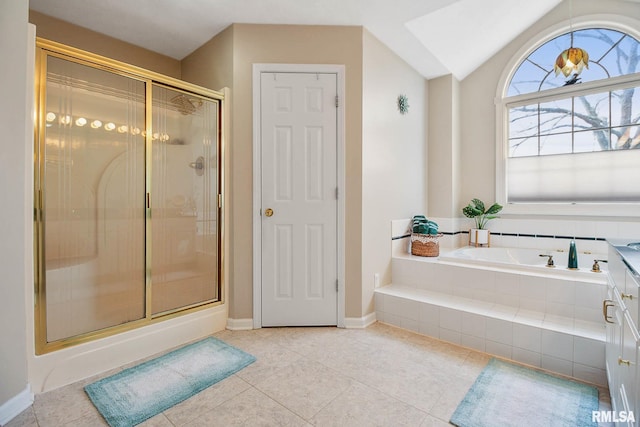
column 379, row 376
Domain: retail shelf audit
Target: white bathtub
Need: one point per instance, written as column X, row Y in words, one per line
column 526, row 260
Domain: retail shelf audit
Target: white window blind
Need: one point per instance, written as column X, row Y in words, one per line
column 610, row 176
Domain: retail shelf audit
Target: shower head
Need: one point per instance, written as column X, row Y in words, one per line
column 186, row 105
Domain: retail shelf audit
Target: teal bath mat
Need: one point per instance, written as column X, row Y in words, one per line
column 505, row 395
column 138, row 393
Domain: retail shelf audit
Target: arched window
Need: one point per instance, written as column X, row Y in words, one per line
column 612, row 53
column 575, row 139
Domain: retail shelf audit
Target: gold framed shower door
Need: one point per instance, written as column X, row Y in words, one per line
column 128, row 197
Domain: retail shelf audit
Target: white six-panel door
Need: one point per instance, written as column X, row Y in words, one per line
column 299, row 199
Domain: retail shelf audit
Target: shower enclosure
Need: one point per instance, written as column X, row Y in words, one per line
column 128, row 197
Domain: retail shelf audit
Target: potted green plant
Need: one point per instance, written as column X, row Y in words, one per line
column 476, row 210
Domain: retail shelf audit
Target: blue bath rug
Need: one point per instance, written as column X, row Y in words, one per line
column 505, row 395
column 138, row 393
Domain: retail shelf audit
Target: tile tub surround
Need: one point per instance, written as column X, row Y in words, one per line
column 543, row 320
column 545, row 234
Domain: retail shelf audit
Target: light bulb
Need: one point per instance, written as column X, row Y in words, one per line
column 81, row 121
column 96, row 124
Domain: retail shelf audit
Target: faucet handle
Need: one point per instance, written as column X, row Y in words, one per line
column 549, row 260
column 596, row 266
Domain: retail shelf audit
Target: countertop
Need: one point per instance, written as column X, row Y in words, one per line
column 630, row 256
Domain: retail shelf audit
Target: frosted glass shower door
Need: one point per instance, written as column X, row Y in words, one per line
column 127, row 197
column 184, row 200
column 92, row 180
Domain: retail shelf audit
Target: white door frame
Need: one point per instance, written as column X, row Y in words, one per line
column 257, row 179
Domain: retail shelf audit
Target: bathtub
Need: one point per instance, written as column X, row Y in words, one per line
column 529, row 260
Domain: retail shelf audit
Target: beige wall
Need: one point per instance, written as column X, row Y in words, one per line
column 478, row 91
column 15, row 188
column 72, row 35
column 444, row 147
column 290, row 44
column 393, row 156
column 211, row 65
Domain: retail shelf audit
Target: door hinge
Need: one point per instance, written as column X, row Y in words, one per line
column 336, row 193
column 219, row 201
column 337, row 101
column 337, row 285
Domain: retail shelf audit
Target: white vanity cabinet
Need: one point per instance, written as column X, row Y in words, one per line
column 620, row 311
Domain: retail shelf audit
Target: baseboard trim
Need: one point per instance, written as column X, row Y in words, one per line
column 14, row 406
column 360, row 322
column 349, row 323
column 239, row 324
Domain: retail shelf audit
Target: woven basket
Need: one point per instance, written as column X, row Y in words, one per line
column 425, row 244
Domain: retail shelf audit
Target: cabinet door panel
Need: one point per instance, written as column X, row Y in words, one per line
column 628, row 363
column 632, row 296
column 614, row 346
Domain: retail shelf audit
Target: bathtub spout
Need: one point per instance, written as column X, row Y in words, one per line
column 549, row 261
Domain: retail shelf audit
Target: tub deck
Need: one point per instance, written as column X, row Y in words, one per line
column 546, row 320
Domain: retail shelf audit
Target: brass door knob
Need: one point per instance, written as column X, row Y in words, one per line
column 268, row 212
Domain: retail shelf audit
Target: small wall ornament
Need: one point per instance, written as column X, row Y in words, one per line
column 403, row 104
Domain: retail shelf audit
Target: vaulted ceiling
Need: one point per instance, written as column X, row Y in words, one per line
column 430, row 35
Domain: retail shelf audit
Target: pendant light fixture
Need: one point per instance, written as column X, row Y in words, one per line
column 574, row 59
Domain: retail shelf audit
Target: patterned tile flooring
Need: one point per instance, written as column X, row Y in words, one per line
column 379, row 376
